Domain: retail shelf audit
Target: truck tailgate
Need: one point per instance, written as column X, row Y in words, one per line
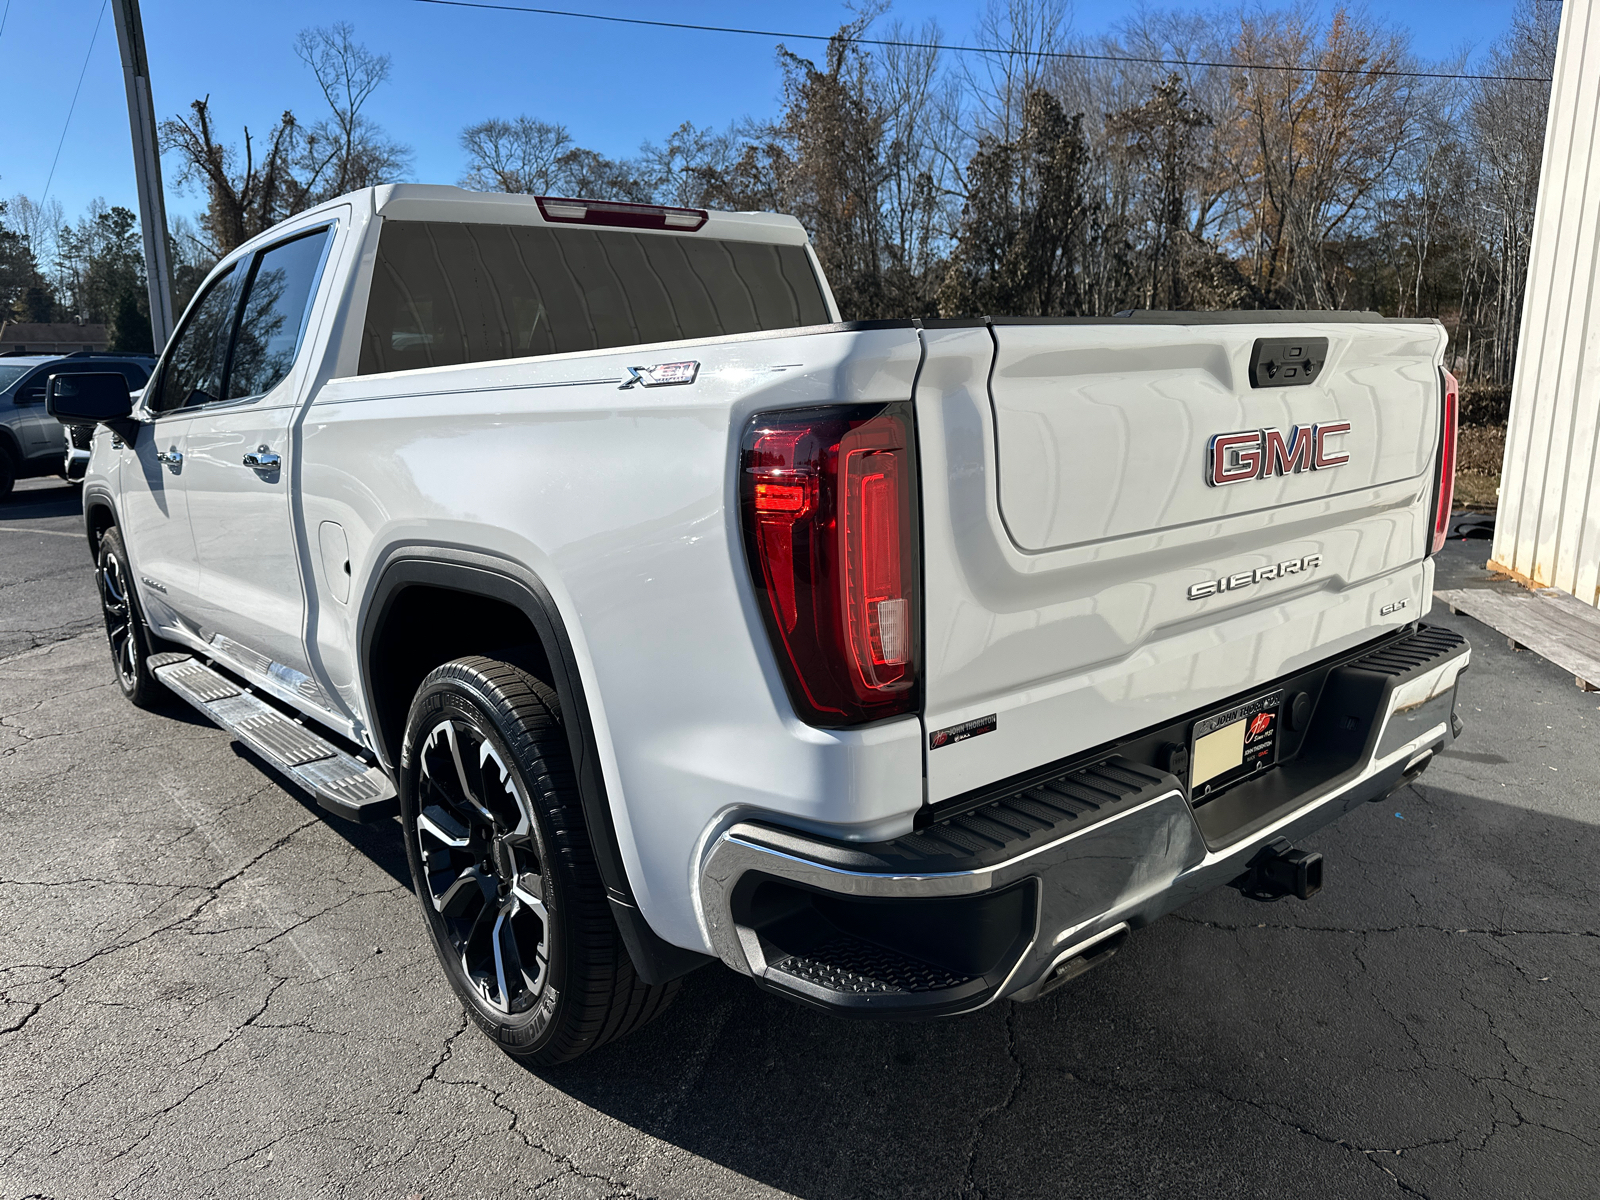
column 1087, row 578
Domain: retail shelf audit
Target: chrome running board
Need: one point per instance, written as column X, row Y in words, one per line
column 341, row 783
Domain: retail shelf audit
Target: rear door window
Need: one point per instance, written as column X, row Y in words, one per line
column 445, row 293
column 274, row 319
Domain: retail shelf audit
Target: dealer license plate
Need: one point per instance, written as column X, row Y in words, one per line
column 1225, row 748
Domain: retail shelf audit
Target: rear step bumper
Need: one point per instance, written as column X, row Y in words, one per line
column 1038, row 884
column 341, row 783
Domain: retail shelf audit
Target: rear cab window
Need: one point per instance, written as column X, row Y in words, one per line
column 446, row 293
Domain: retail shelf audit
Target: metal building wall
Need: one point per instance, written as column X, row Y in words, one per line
column 1548, row 528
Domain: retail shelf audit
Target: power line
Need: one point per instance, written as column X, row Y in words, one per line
column 1064, row 54
column 3, row 17
column 71, row 107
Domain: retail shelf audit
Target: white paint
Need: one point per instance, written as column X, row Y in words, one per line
column 1549, row 521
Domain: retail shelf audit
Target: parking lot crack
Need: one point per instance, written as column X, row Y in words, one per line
column 19, row 1025
column 1361, row 931
column 445, row 1053
column 969, row 1178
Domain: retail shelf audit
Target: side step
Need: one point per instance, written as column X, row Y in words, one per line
column 342, row 783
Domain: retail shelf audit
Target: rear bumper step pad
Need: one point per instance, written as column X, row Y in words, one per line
column 341, row 783
column 1104, row 848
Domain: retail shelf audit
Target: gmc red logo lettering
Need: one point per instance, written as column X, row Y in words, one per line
column 1261, row 453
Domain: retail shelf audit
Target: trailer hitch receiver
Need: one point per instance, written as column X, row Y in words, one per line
column 1279, row 870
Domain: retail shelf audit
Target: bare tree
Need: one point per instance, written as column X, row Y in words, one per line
column 1021, row 251
column 919, row 101
column 346, row 151
column 687, row 168
column 1159, row 140
column 514, row 156
column 1019, row 38
column 242, row 201
column 1324, row 116
column 834, row 129
column 1507, row 118
column 535, row 157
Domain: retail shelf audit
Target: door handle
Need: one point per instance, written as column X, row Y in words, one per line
column 171, row 457
column 262, row 460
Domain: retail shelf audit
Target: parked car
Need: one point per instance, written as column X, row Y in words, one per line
column 31, row 442
column 902, row 666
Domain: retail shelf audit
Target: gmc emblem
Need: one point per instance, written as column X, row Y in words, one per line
column 1262, row 453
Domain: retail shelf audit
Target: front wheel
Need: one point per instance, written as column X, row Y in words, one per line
column 129, row 637
column 501, row 863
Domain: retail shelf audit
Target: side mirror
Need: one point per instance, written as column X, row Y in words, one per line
column 93, row 398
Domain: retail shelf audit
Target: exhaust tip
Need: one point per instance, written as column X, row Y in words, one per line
column 1416, row 766
column 1075, row 960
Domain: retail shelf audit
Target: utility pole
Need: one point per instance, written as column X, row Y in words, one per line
column 146, row 167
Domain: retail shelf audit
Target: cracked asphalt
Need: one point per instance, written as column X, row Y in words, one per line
column 211, row 990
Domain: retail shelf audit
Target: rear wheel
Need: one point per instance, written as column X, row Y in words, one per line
column 129, row 637
column 501, row 863
column 8, row 473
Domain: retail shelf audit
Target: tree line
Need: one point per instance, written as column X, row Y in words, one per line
column 1288, row 161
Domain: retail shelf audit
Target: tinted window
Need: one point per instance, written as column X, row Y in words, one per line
column 275, row 314
column 446, row 293
column 32, row 389
column 193, row 373
column 10, row 373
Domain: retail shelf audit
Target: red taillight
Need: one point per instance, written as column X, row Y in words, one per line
column 829, row 504
column 1444, row 492
column 567, row 211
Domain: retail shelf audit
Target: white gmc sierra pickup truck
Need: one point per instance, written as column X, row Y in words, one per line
column 902, row 666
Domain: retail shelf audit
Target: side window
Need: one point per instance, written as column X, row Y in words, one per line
column 32, row 390
column 275, row 309
column 193, row 374
column 133, row 373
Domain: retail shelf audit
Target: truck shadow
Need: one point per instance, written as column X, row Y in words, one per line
column 1230, row 1047
column 379, row 842
column 35, row 501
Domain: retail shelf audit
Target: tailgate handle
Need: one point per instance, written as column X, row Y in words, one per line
column 1287, row 362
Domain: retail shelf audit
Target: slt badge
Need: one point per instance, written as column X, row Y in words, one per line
column 1262, row 453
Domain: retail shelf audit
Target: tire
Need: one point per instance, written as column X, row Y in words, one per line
column 8, row 473
column 126, row 632
column 503, row 869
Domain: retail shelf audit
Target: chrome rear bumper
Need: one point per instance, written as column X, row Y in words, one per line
column 1130, row 850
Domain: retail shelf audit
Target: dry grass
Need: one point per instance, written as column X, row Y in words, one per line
column 1478, row 453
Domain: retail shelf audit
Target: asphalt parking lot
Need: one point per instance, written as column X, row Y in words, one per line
column 210, row 989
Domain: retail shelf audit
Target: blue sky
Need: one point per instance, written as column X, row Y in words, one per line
column 613, row 86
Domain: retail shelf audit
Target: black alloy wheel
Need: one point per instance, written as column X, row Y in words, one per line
column 503, row 870
column 483, row 865
column 129, row 639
